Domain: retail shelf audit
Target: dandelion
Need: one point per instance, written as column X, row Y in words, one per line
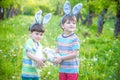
column 12, row 50
column 84, row 41
column 13, row 77
column 106, row 54
column 95, row 59
column 49, row 73
column 0, row 51
column 14, row 55
column 21, row 47
column 103, row 75
column 116, row 64
column 40, row 70
column 110, row 76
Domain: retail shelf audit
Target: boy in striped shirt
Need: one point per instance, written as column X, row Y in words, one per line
column 30, row 48
column 68, row 47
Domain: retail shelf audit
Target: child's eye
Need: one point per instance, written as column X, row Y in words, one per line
column 37, row 33
column 41, row 34
column 68, row 22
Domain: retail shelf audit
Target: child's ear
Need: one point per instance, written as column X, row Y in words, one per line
column 30, row 33
column 62, row 26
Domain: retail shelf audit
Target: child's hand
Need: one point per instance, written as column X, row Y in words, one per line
column 40, row 63
column 58, row 60
column 44, row 61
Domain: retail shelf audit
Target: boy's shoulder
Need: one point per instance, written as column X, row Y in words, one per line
column 75, row 35
column 60, row 35
column 29, row 42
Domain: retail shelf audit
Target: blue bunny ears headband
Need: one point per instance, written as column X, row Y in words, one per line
column 43, row 21
column 67, row 9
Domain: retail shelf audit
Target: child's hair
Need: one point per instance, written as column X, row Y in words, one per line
column 69, row 17
column 37, row 27
column 70, row 14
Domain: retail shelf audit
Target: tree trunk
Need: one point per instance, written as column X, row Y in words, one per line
column 85, row 21
column 7, row 13
column 79, row 16
column 90, row 18
column 117, row 21
column 117, row 24
column 58, row 9
column 1, row 13
column 18, row 10
column 101, row 21
column 11, row 11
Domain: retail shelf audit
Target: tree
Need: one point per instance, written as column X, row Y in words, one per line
column 104, row 4
column 90, row 9
column 9, row 8
column 117, row 20
column 59, row 8
column 1, row 13
column 73, row 3
column 101, row 21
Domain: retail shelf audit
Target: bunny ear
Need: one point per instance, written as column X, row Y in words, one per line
column 76, row 8
column 67, row 7
column 46, row 18
column 37, row 16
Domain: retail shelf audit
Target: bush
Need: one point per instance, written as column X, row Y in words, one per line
column 30, row 10
column 45, row 9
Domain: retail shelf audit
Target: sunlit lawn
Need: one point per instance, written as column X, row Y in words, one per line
column 99, row 55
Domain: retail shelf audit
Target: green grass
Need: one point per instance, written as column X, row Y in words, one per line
column 99, row 55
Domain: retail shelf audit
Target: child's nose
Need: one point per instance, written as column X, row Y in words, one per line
column 39, row 35
column 71, row 23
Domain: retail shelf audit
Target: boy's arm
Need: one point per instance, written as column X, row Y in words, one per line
column 33, row 57
column 70, row 56
column 57, row 51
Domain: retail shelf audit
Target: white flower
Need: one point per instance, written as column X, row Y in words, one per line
column 110, row 76
column 13, row 77
column 49, row 73
column 116, row 64
column 95, row 59
column 0, row 51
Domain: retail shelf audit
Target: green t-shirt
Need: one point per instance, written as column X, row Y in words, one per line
column 27, row 69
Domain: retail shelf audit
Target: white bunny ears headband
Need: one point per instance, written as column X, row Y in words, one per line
column 45, row 19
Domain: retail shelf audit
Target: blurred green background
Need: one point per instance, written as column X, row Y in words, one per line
column 98, row 28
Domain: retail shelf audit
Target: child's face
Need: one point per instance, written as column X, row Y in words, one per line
column 69, row 26
column 36, row 36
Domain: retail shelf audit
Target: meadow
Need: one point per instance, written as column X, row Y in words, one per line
column 99, row 54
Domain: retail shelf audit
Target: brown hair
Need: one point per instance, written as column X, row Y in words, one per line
column 37, row 27
column 68, row 17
